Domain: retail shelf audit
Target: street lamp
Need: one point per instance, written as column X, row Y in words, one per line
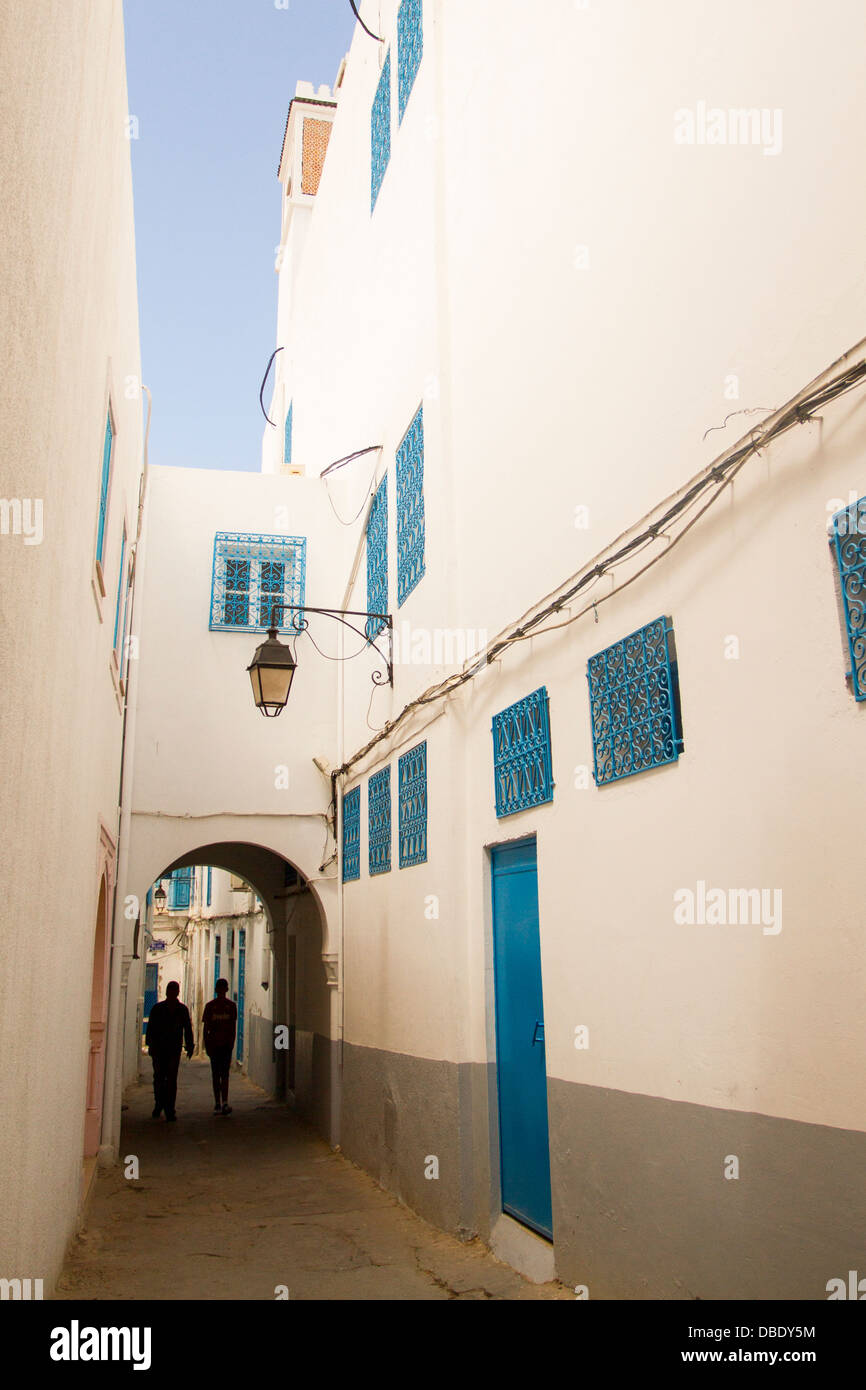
column 159, row 898
column 271, row 671
column 273, row 666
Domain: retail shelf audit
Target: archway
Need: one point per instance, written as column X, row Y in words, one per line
column 278, row 975
column 98, row 1024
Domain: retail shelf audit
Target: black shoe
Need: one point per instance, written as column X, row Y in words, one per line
column 172, row 1116
column 217, row 1110
column 155, row 1112
column 227, row 1110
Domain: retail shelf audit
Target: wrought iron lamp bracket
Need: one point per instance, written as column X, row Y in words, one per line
column 341, row 615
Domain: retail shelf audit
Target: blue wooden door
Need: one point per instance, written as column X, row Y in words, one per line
column 151, row 987
column 242, row 952
column 520, row 1062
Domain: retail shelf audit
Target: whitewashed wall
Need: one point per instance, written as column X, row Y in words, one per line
column 580, row 301
column 67, row 284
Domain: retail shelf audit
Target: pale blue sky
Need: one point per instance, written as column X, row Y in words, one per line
column 210, row 82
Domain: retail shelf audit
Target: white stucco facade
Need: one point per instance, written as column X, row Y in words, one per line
column 589, row 303
column 71, row 362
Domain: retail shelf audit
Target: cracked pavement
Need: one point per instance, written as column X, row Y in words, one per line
column 233, row 1207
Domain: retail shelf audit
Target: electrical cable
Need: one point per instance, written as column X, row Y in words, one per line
column 262, row 387
column 341, row 463
column 363, row 25
column 798, row 410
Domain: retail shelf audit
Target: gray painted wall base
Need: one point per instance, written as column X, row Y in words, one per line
column 400, row 1112
column 642, row 1207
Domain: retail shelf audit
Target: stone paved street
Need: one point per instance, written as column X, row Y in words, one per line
column 230, row 1208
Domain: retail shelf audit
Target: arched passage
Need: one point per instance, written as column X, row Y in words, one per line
column 286, row 1006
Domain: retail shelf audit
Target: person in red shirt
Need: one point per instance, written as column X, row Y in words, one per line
column 220, row 1020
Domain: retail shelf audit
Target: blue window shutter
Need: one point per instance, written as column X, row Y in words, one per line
column 181, row 890
column 352, row 835
column 287, row 447
column 379, row 813
column 120, row 576
column 412, row 784
column 522, row 771
column 380, row 132
column 209, row 883
column 377, row 559
column 103, row 487
column 635, row 703
column 849, row 547
column 410, row 47
column 410, row 508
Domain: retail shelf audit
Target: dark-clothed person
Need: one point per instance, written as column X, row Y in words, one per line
column 220, row 1019
column 169, row 1028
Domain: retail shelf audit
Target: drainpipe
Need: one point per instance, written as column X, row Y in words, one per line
column 338, row 994
column 113, row 1085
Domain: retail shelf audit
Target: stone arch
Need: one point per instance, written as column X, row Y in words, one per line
column 301, row 1035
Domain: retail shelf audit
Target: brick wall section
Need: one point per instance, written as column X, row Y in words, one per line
column 315, row 145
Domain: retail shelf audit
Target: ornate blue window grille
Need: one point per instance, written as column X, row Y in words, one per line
column 849, row 545
column 119, row 607
column 252, row 573
column 287, row 447
column 410, row 508
column 379, row 810
column 377, row 559
column 410, row 46
column 522, row 771
column 380, row 123
column 412, row 791
column 352, row 835
column 103, row 487
column 635, row 703
column 180, row 895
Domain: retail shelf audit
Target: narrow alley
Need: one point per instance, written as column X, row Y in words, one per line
column 234, row 1207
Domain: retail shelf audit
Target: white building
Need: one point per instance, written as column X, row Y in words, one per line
column 564, row 939
column 71, row 432
column 557, row 270
column 203, row 926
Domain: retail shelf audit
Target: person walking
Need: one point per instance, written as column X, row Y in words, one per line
column 168, row 1029
column 220, row 1019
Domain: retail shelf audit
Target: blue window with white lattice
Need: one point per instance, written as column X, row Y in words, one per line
column 287, row 442
column 412, row 794
column 635, row 703
column 379, row 821
column 380, row 131
column 410, row 508
column 181, row 890
column 352, row 835
column 253, row 577
column 104, row 482
column 522, row 770
column 849, row 547
column 377, row 559
column 410, row 46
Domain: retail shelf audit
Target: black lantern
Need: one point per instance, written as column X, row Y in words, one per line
column 159, row 898
column 271, row 671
